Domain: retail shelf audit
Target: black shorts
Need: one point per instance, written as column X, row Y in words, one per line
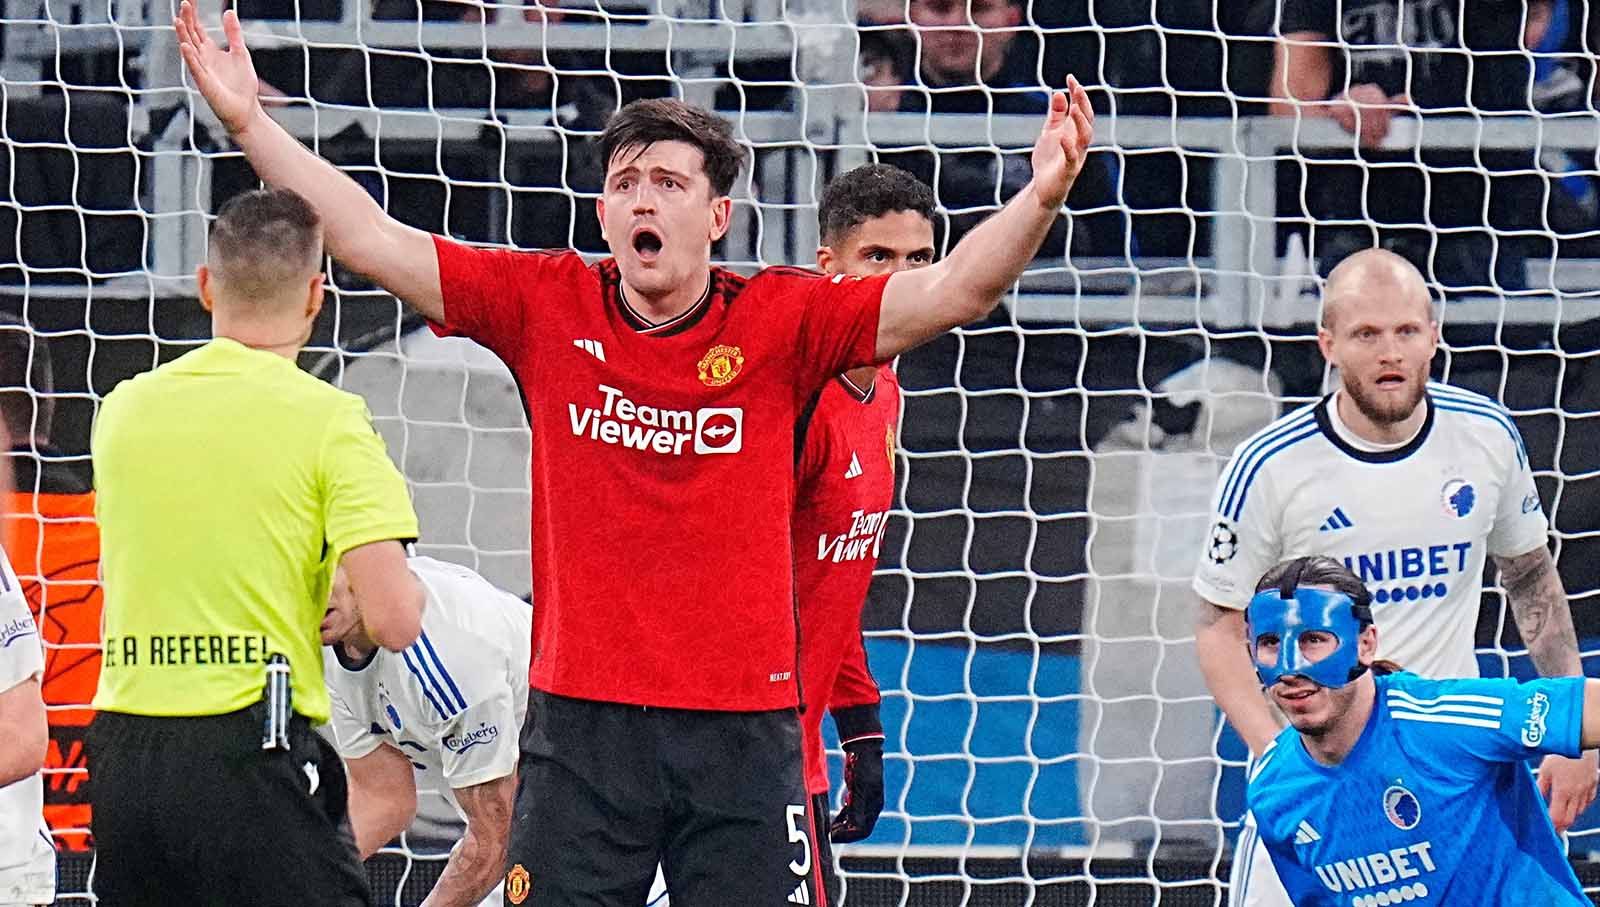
column 193, row 811
column 826, row 874
column 606, row 791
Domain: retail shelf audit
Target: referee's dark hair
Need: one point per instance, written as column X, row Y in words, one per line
column 27, row 382
column 869, row 191
column 263, row 242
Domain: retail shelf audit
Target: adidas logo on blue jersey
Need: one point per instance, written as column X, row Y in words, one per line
column 1336, row 521
column 1305, row 834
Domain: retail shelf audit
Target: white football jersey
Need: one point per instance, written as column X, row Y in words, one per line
column 454, row 701
column 27, row 857
column 1416, row 523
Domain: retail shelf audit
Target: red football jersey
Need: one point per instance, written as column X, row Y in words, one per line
column 662, row 468
column 844, row 489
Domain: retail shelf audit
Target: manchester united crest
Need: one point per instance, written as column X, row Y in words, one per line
column 517, row 884
column 720, row 364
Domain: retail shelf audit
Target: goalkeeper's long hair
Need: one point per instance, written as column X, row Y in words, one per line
column 1319, row 570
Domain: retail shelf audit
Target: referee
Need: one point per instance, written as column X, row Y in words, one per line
column 230, row 485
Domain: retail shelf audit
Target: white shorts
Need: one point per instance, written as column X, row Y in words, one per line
column 1253, row 882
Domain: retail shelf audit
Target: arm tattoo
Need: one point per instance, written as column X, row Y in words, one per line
column 1539, row 605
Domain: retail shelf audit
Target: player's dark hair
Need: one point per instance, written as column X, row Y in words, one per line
column 262, row 239
column 869, row 191
column 27, row 381
column 1317, row 570
column 640, row 124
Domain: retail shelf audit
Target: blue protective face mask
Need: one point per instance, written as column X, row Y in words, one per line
column 1288, row 618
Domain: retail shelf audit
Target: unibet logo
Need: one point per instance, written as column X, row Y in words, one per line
column 621, row 421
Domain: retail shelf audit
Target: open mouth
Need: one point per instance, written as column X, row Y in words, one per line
column 647, row 244
column 1297, row 694
column 1391, row 380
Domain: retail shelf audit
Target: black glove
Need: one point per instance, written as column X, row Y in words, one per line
column 862, row 736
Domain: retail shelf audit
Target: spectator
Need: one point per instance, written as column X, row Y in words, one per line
column 885, row 68
column 54, row 544
column 1562, row 71
column 1357, row 63
column 978, row 57
column 975, row 57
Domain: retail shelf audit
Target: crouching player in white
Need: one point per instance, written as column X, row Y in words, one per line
column 27, row 858
column 441, row 715
column 1388, row 788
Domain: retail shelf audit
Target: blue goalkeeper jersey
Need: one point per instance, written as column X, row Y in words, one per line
column 1435, row 804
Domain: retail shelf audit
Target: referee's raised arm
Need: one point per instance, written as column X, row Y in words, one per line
column 359, row 233
column 230, row 485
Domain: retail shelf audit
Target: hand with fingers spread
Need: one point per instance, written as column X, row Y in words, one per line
column 226, row 78
column 1063, row 144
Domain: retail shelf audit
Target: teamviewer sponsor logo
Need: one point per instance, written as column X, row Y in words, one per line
column 619, row 420
column 718, row 431
column 460, row 743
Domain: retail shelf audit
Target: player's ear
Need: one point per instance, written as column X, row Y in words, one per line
column 202, row 277
column 721, row 216
column 826, row 262
column 1325, row 343
column 1367, row 646
column 600, row 215
column 315, row 292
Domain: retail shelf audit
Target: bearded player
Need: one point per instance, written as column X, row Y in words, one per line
column 1412, row 485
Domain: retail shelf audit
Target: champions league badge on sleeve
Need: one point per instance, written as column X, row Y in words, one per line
column 1224, row 543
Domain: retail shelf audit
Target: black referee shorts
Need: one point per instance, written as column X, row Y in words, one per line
column 605, row 791
column 193, row 811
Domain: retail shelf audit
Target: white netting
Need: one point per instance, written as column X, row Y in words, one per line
column 1050, row 740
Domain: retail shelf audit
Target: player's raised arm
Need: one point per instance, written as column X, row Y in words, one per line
column 358, row 232
column 921, row 304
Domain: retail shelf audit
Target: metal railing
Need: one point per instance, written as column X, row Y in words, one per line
column 1242, row 283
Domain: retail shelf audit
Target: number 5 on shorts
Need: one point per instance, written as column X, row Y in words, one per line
column 797, row 835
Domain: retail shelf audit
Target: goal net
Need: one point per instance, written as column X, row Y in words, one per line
column 1050, row 738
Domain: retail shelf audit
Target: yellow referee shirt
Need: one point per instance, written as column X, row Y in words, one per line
column 229, row 483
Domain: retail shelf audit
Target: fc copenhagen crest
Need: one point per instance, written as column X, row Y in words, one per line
column 720, row 364
column 517, row 884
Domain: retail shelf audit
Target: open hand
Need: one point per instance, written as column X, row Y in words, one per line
column 1063, row 144
column 226, row 78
